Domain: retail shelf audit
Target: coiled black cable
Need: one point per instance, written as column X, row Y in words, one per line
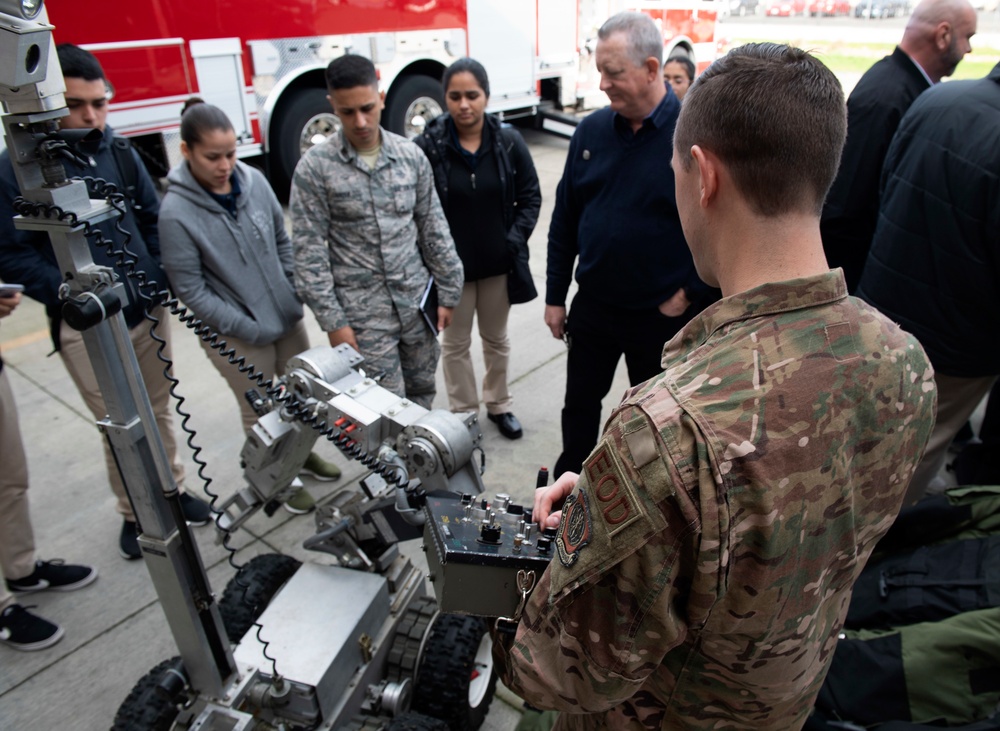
column 153, row 297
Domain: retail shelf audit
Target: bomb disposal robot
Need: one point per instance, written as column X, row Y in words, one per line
column 358, row 644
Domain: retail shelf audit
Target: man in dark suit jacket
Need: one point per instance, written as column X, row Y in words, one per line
column 935, row 40
column 932, row 266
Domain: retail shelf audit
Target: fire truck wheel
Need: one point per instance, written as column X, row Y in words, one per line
column 303, row 121
column 456, row 679
column 147, row 707
column 249, row 592
column 413, row 102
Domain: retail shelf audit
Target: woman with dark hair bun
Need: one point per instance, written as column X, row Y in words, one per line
column 489, row 190
column 228, row 256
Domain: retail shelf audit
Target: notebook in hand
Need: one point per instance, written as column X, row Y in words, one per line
column 429, row 305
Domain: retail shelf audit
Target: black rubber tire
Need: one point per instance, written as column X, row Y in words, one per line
column 145, row 708
column 408, row 90
column 416, row 722
column 286, row 135
column 447, row 671
column 249, row 592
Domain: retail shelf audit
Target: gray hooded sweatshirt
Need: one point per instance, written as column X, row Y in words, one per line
column 234, row 274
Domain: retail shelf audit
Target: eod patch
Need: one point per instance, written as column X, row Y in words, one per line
column 614, row 496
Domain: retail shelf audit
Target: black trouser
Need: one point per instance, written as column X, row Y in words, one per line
column 599, row 335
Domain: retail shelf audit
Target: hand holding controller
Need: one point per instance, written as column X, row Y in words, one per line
column 549, row 500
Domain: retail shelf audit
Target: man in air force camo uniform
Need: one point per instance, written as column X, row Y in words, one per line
column 368, row 231
column 706, row 557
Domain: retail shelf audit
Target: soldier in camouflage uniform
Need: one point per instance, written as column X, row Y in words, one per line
column 706, row 556
column 368, row 231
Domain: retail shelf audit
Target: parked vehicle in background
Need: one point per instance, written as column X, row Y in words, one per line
column 785, row 8
column 263, row 63
column 881, row 8
column 829, row 7
column 740, row 7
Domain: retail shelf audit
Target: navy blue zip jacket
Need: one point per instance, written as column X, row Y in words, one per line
column 616, row 211
column 26, row 257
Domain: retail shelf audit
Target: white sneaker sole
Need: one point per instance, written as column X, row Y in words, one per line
column 45, row 586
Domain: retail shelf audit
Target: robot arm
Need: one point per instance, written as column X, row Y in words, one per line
column 326, row 392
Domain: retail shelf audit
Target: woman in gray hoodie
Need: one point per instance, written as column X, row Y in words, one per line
column 228, row 256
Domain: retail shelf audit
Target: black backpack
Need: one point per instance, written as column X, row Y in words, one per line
column 922, row 643
column 128, row 168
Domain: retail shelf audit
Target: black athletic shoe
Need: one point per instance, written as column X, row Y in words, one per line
column 55, row 575
column 128, row 542
column 23, row 630
column 196, row 511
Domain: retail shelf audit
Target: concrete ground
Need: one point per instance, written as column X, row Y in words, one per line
column 115, row 629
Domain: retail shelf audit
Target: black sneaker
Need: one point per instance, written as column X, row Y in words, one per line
column 55, row 575
column 196, row 511
column 23, row 630
column 128, row 542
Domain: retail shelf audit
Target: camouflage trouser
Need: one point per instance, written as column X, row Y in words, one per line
column 405, row 354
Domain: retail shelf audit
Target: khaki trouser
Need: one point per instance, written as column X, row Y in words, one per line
column 957, row 398
column 17, row 542
column 270, row 360
column 486, row 299
column 74, row 356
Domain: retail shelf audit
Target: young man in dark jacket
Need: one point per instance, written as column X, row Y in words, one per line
column 26, row 257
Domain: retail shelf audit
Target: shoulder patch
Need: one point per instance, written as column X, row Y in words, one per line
column 614, row 495
column 641, row 442
column 576, row 528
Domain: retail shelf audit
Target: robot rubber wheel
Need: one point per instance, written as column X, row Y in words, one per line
column 249, row 592
column 147, row 707
column 456, row 679
column 416, row 722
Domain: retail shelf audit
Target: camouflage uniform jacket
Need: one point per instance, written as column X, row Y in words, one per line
column 705, row 560
column 365, row 239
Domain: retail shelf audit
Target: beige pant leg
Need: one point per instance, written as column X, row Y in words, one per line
column 957, row 398
column 485, row 300
column 492, row 309
column 74, row 356
column 270, row 360
column 17, row 541
column 456, row 360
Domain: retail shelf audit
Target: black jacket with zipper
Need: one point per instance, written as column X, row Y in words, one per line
column 522, row 196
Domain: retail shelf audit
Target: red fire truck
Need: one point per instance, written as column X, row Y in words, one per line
column 263, row 62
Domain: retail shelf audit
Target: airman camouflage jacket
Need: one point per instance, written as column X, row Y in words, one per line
column 705, row 561
column 365, row 239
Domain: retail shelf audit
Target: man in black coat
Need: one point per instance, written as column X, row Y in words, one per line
column 933, row 265
column 935, row 40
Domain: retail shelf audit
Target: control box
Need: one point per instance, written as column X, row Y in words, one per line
column 475, row 549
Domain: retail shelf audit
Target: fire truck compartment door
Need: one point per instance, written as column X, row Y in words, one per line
column 502, row 37
column 218, row 64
